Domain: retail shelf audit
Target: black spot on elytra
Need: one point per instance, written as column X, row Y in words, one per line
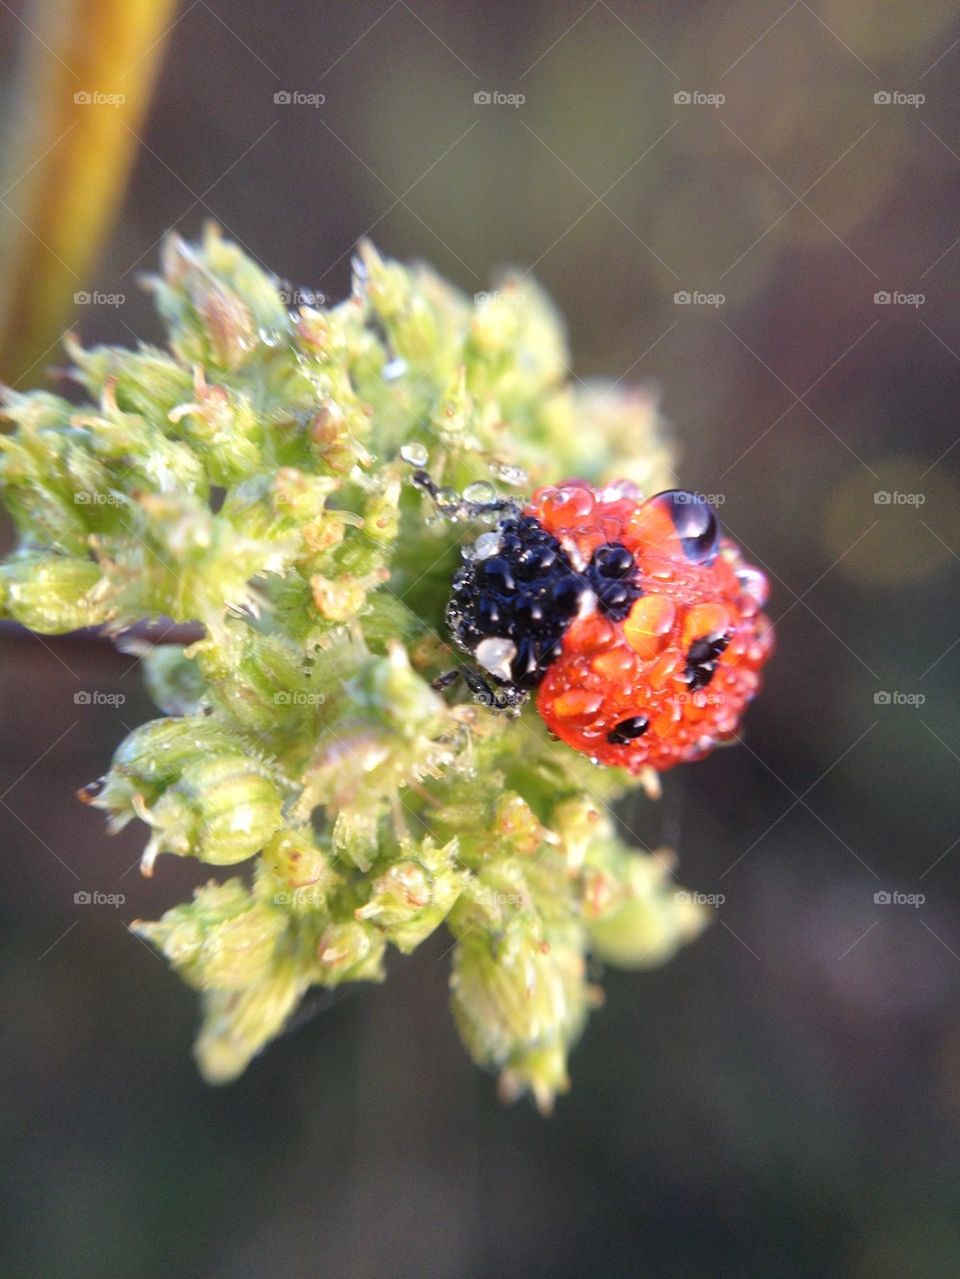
column 628, row 730
column 702, row 660
column 612, row 576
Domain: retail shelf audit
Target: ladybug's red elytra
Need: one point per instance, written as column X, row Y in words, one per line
column 635, row 623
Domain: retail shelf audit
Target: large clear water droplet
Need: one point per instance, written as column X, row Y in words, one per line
column 481, row 492
column 487, row 544
column 415, row 454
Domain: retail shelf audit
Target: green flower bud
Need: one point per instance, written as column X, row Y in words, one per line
column 147, row 382
column 407, row 314
column 259, row 680
column 339, row 599
column 300, row 497
column 519, row 1003
column 150, row 758
column 296, row 874
column 579, row 823
column 172, row 679
column 238, row 1023
column 636, row 916
column 221, row 810
column 222, row 939
column 541, row 1071
column 55, row 593
column 223, row 429
column 381, row 513
column 406, row 700
column 517, row 825
column 411, row 898
column 351, row 951
column 210, row 322
column 453, row 416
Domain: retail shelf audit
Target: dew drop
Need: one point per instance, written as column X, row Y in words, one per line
column 515, row 476
column 481, row 492
column 415, row 454
column 487, row 544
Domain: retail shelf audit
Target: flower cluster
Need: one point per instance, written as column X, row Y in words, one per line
column 251, row 478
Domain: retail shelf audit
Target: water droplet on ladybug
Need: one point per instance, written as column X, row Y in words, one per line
column 682, row 520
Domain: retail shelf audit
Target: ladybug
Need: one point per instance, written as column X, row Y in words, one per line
column 636, row 624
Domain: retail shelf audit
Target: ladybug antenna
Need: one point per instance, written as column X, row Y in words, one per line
column 476, row 501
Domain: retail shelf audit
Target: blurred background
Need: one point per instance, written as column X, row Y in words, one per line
column 753, row 207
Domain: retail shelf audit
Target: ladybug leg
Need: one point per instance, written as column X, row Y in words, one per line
column 508, row 699
column 479, row 687
column 446, row 680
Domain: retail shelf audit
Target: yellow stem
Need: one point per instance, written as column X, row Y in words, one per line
column 85, row 77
